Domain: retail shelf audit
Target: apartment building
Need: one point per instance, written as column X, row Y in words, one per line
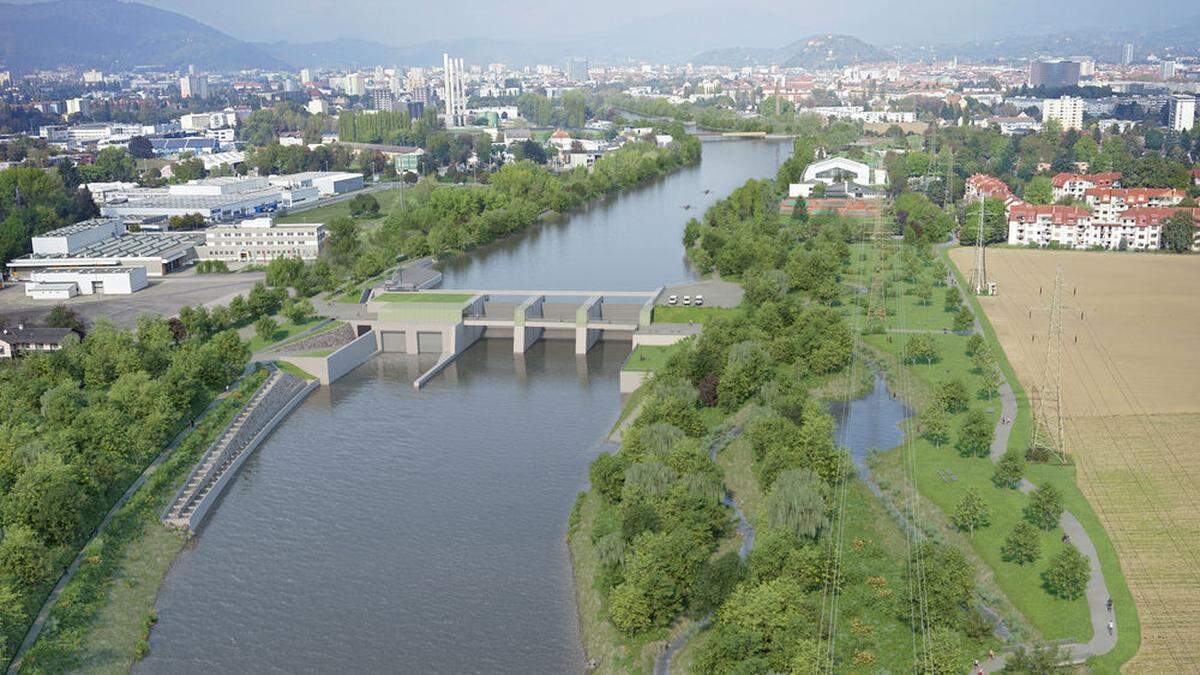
column 1108, row 204
column 1074, row 185
column 260, row 240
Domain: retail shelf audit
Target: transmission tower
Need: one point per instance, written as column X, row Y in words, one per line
column 949, row 177
column 979, row 280
column 1048, row 422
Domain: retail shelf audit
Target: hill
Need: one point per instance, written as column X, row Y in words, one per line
column 817, row 51
column 115, row 35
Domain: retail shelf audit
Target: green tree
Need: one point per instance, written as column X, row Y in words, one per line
column 188, row 169
column 1041, row 659
column 952, row 395
column 1039, row 190
column 607, row 475
column 745, row 371
column 265, row 328
column 1045, row 506
column 975, row 435
column 1068, row 573
column 953, row 299
column 925, row 292
column 364, row 206
column 629, row 610
column 1009, row 470
column 47, row 499
column 1022, row 545
column 975, row 344
column 971, row 512
column 298, row 311
column 795, row 504
column 1179, row 231
column 919, row 347
column 61, row 316
column 935, row 424
column 141, row 147
column 945, row 655
column 963, row 319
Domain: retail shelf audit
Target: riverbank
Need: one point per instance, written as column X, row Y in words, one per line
column 100, row 620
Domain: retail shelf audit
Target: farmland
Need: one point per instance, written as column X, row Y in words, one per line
column 1131, row 404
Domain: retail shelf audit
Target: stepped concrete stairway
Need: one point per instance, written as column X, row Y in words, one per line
column 229, row 449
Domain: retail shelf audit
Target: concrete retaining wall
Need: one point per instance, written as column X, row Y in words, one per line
column 201, row 510
column 331, row 368
column 631, row 380
column 657, row 340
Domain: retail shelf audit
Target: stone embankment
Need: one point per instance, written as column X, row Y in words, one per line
column 271, row 403
column 330, row 339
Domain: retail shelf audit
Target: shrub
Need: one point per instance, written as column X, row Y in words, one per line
column 795, row 504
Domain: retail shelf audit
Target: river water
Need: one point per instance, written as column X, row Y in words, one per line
column 383, row 529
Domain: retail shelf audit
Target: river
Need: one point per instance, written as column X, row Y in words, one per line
column 386, row 529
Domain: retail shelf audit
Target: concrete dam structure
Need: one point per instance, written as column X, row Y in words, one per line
column 448, row 322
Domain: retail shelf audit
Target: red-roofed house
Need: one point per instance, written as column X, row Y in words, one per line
column 1109, row 203
column 1073, row 227
column 988, row 186
column 1073, row 185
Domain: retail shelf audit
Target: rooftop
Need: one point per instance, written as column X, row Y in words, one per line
column 34, row 335
column 169, row 201
column 81, row 226
column 136, row 245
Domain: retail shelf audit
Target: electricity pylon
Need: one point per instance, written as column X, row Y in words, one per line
column 978, row 279
column 1048, row 422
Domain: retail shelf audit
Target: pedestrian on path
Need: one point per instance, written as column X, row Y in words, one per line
column 1111, row 626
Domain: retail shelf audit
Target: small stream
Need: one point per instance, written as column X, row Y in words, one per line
column 863, row 425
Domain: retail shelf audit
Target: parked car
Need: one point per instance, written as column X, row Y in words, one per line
column 672, row 300
column 699, row 300
column 687, row 299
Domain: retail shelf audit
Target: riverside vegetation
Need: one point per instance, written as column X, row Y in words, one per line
column 652, row 541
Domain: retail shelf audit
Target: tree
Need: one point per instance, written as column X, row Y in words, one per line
column 1041, row 659
column 265, row 328
column 952, row 396
column 935, row 424
column 975, row 344
column 62, row 316
column 629, row 610
column 1045, row 506
column 1039, row 190
column 24, row 555
column 607, row 475
column 1022, row 545
column 745, row 371
column 188, row 169
column 963, row 319
column 299, row 310
column 953, row 299
column 945, row 655
column 971, row 512
column 925, row 292
column 1009, row 470
column 364, row 206
column 795, row 504
column 1179, row 231
column 141, row 147
column 715, row 580
column 975, row 435
column 191, row 221
column 1068, row 573
column 920, row 347
column 47, row 499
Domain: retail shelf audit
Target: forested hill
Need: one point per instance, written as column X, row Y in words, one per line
column 112, row 35
column 817, row 51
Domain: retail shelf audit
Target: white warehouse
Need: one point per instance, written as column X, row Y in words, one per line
column 60, row 283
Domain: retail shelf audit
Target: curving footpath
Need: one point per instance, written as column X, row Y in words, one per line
column 1097, row 590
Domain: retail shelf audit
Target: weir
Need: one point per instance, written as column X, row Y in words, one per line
column 448, row 322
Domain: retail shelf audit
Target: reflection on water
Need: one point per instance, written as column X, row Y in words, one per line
column 382, row 528
column 869, row 423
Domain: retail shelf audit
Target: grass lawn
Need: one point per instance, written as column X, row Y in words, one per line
column 648, row 358
column 352, row 294
column 316, row 353
column 1129, row 637
column 388, row 200
column 449, row 298
column 286, row 330
column 103, row 616
column 294, row 370
column 679, row 314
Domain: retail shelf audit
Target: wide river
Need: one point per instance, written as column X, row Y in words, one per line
column 383, row 529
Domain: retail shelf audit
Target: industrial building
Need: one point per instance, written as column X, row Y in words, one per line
column 260, row 240
column 217, row 199
column 105, row 243
column 61, row 283
column 327, row 183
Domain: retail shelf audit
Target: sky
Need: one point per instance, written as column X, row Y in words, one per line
column 766, row 23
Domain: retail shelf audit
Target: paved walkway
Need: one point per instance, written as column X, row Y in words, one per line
column 1097, row 590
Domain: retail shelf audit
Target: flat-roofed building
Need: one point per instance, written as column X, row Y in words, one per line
column 158, row 253
column 260, row 240
column 66, row 282
column 215, row 203
column 327, row 182
column 72, row 238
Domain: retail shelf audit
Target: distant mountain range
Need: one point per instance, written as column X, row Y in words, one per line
column 113, row 35
column 817, row 51
column 116, row 35
column 1181, row 39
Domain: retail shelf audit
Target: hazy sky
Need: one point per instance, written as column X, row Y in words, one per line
column 403, row 22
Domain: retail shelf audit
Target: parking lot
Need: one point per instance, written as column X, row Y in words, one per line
column 716, row 293
column 164, row 297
